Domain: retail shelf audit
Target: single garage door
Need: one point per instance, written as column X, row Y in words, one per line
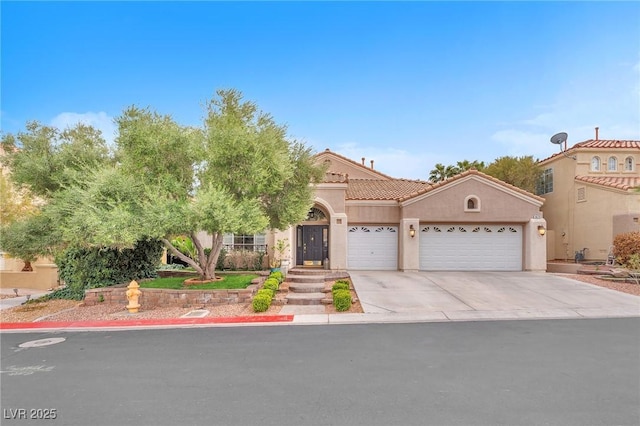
column 372, row 248
column 471, row 247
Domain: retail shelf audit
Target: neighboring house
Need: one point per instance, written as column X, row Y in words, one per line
column 590, row 196
column 365, row 220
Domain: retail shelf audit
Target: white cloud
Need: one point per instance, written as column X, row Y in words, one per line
column 610, row 101
column 99, row 120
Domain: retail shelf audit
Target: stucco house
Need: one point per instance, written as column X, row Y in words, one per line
column 590, row 195
column 363, row 219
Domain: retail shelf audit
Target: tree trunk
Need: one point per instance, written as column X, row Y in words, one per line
column 27, row 266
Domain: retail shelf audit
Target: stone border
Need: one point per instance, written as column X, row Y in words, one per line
column 167, row 298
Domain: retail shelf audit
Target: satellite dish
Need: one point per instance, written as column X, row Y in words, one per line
column 559, row 138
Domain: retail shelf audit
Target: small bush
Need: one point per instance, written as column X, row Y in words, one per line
column 261, row 302
column 272, row 280
column 342, row 300
column 271, row 285
column 277, row 275
column 340, row 285
column 625, row 245
column 266, row 291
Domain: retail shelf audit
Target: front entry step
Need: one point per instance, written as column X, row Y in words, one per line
column 305, row 298
column 306, row 288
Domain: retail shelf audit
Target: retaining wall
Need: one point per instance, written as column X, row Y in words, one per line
column 164, row 298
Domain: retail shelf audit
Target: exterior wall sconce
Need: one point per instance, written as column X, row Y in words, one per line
column 541, row 230
column 412, row 231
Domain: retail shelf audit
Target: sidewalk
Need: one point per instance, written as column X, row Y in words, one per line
column 320, row 319
column 24, row 294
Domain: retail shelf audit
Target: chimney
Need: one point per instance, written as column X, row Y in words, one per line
column 597, row 128
column 372, row 164
column 363, row 161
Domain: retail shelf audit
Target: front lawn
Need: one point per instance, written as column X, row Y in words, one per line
column 232, row 281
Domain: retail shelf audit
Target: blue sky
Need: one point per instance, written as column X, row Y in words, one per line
column 406, row 84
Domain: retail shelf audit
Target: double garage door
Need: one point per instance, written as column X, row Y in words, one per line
column 471, row 247
column 452, row 247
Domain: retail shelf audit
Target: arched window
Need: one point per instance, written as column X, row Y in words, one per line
column 628, row 164
column 612, row 165
column 471, row 204
column 595, row 164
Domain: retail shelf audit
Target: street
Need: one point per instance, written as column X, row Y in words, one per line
column 555, row 372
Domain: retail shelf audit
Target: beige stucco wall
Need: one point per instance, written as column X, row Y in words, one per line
column 43, row 277
column 448, row 204
column 373, row 212
column 592, row 223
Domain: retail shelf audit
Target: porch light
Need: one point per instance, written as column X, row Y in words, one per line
column 541, row 230
column 412, row 231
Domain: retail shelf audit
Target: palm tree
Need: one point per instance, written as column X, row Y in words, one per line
column 442, row 172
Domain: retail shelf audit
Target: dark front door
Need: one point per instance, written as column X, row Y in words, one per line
column 312, row 245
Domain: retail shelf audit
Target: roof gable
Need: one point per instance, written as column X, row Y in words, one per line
column 339, row 165
column 592, row 144
column 476, row 175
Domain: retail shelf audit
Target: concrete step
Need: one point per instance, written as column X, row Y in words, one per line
column 305, row 298
column 308, row 279
column 302, row 310
column 306, row 288
column 308, row 271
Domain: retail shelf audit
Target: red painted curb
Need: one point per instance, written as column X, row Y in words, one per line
column 145, row 322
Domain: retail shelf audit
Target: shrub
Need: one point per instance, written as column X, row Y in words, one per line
column 242, row 260
column 342, row 300
column 625, row 245
column 277, row 275
column 272, row 280
column 271, row 285
column 340, row 285
column 261, row 302
column 82, row 268
column 266, row 291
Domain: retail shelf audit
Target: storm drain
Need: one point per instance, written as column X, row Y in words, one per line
column 199, row 313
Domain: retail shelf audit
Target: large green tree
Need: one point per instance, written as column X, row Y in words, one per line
column 237, row 173
column 523, row 172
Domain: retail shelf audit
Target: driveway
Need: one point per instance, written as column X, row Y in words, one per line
column 488, row 295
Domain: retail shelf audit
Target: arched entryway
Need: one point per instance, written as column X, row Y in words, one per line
column 312, row 239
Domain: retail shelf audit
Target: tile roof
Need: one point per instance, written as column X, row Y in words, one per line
column 622, row 144
column 375, row 189
column 599, row 144
column 468, row 173
column 355, row 163
column 624, row 183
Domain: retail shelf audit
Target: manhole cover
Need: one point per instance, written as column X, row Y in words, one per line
column 200, row 313
column 42, row 342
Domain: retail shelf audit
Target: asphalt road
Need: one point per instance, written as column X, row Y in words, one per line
column 554, row 372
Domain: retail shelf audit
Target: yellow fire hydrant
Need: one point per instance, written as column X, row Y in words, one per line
column 132, row 296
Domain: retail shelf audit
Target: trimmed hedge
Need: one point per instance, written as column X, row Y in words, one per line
column 340, row 285
column 261, row 302
column 342, row 300
column 271, row 285
column 278, row 276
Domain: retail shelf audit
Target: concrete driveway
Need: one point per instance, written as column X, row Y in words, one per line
column 487, row 295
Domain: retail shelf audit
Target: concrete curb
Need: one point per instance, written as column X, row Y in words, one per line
column 318, row 319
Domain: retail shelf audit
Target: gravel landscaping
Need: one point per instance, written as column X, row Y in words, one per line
column 69, row 310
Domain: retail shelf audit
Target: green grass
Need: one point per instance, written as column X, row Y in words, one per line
column 233, row 281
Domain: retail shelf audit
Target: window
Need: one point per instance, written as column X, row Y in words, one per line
column 628, row 164
column 612, row 165
column 471, row 204
column 254, row 242
column 595, row 164
column 545, row 185
column 582, row 194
